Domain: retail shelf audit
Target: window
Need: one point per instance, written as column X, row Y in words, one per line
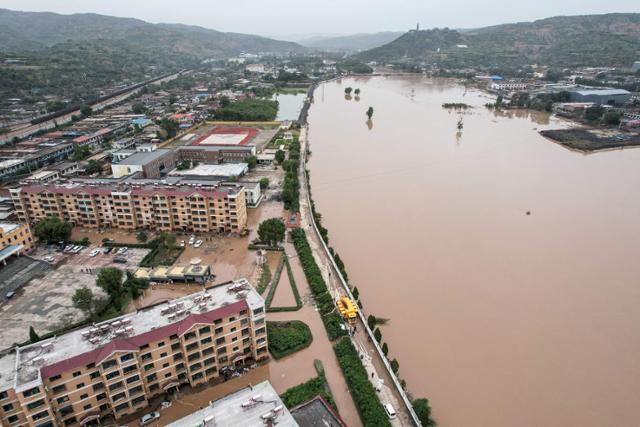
column 192, row 346
column 146, row 356
column 91, row 365
column 234, row 339
column 210, row 371
column 189, row 335
column 79, row 385
column 36, row 404
column 31, row 392
column 144, row 347
column 101, row 396
column 210, row 361
column 173, row 337
column 77, row 374
column 195, row 366
column 126, row 357
column 44, row 414
column 223, row 359
column 133, row 379
column 3, row 395
column 163, row 354
column 197, row 376
column 167, row 375
column 204, row 330
column 175, row 346
column 179, row 366
column 148, row 367
column 8, row 407
column 193, row 356
column 152, row 377
column 206, row 340
column 258, row 311
column 84, row 396
column 116, row 386
column 113, row 374
column 232, row 319
column 109, row 364
column 154, row 387
column 135, row 390
column 207, row 351
column 59, row 389
column 62, row 399
column 137, row 400
column 95, row 374
column 118, row 396
column 55, row 377
column 121, row 407
column 217, row 322
column 221, row 340
column 70, row 421
column 98, row 386
column 128, row 369
column 178, row 356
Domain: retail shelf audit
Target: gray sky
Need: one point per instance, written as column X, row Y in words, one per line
column 299, row 17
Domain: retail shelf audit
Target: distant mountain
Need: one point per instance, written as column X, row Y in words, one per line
column 33, row 31
column 351, row 43
column 591, row 40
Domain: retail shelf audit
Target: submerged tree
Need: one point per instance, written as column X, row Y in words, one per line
column 370, row 112
column 348, row 90
column 357, row 91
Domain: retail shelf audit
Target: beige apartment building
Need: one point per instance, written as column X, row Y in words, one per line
column 113, row 368
column 15, row 239
column 129, row 206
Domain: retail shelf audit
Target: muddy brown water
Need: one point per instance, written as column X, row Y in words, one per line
column 500, row 317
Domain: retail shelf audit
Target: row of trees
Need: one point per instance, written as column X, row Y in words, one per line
column 291, row 185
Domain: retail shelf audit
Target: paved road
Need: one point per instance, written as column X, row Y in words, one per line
column 371, row 359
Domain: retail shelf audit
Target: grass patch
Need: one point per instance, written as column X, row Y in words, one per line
column 161, row 256
column 306, row 391
column 284, row 262
column 332, row 320
column 286, row 338
column 265, row 278
column 364, row 394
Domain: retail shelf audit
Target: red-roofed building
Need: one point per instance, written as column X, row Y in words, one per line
column 165, row 208
column 116, row 367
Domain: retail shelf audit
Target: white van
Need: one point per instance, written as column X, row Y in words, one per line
column 388, row 407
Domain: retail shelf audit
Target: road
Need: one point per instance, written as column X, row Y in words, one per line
column 372, row 360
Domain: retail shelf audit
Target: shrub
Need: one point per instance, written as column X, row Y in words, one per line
column 364, row 395
column 395, row 366
column 423, row 411
column 385, row 349
column 371, row 321
column 306, row 391
column 377, row 334
column 286, row 338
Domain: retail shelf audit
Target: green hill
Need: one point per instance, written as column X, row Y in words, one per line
column 592, row 40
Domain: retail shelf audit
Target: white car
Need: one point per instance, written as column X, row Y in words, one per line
column 182, row 244
column 149, row 418
column 94, row 252
column 192, row 240
column 76, row 249
column 123, row 250
column 391, row 412
column 197, row 244
column 49, row 258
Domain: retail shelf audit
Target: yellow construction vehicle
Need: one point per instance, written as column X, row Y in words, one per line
column 348, row 309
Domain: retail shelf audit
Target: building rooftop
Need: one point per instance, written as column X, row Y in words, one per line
column 8, row 227
column 316, row 413
column 214, row 170
column 248, row 407
column 142, row 158
column 606, row 92
column 95, row 343
column 10, row 162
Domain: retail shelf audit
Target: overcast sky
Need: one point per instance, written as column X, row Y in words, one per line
column 310, row 17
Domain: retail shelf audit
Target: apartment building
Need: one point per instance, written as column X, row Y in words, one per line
column 113, row 368
column 129, row 206
column 14, row 239
column 151, row 164
column 254, row 406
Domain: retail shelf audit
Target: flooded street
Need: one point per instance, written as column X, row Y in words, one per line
column 505, row 263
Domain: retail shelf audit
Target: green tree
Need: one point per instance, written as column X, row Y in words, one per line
column 357, row 91
column 611, row 118
column 53, row 229
column 395, row 366
column 264, row 183
column 33, row 335
column 225, row 101
column 371, row 321
column 370, row 112
column 279, row 156
column 356, row 293
column 138, row 108
column 93, row 166
column 423, row 411
column 83, row 299
column 593, row 113
column 251, row 161
column 80, row 152
column 271, row 231
column 169, row 126
column 142, row 236
column 377, row 334
column 385, row 349
column 110, row 279
column 348, row 90
column 86, row 111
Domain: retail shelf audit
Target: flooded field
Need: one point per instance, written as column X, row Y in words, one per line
column 504, row 261
column 290, row 105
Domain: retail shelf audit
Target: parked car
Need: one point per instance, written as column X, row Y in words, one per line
column 68, row 248
column 76, row 249
column 192, row 240
column 107, row 250
column 182, row 244
column 149, row 418
column 94, row 252
column 49, row 258
column 197, row 244
column 9, row 295
column 391, row 412
column 120, row 260
column 122, row 250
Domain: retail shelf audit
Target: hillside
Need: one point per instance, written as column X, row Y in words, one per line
column 351, row 43
column 593, row 40
column 76, row 56
column 33, row 31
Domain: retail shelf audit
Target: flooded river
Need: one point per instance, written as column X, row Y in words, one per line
column 506, row 264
